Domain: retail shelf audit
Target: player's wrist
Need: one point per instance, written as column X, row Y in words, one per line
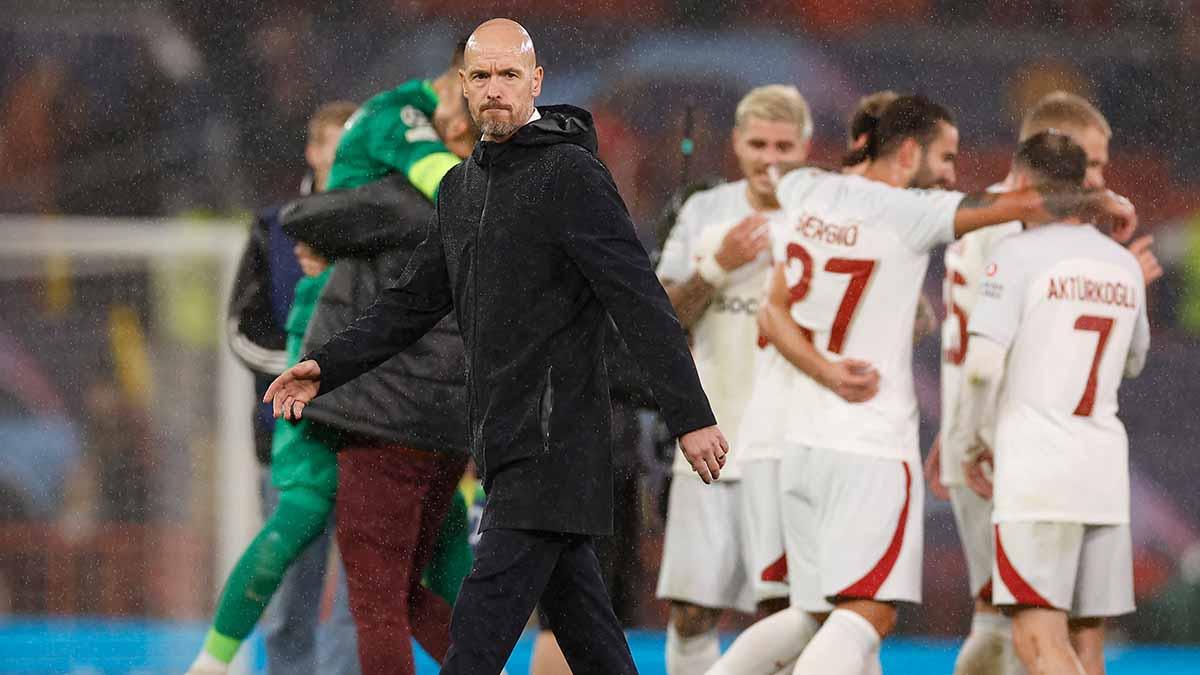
column 712, row 271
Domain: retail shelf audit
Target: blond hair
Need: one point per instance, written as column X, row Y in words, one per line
column 776, row 103
column 332, row 114
column 1060, row 109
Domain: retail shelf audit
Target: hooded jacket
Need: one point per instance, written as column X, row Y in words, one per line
column 533, row 249
column 418, row 397
column 258, row 309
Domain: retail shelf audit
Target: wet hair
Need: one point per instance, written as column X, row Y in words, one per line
column 863, row 123
column 1061, row 109
column 776, row 103
column 1052, row 157
column 914, row 117
column 459, row 58
column 332, row 114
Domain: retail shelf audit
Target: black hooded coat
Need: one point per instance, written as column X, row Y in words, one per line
column 533, row 249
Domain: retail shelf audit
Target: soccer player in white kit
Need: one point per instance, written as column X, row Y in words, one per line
column 846, row 287
column 714, row 266
column 988, row 647
column 1065, row 306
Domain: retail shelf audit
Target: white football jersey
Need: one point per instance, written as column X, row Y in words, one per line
column 779, row 401
column 1070, row 305
column 725, row 339
column 856, row 255
column 965, row 261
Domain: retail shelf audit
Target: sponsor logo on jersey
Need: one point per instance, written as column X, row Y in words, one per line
column 735, row 305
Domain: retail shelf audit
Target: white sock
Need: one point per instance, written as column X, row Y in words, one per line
column 1012, row 660
column 844, row 646
column 769, row 645
column 207, row 664
column 988, row 646
column 691, row 655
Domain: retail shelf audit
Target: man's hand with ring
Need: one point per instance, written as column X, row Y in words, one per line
column 705, row 449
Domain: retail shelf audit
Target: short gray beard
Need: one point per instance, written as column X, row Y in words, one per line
column 498, row 129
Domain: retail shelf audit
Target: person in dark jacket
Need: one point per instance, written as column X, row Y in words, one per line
column 532, row 248
column 397, row 465
column 296, row 641
column 404, row 422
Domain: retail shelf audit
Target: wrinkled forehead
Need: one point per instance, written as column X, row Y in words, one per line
column 500, row 49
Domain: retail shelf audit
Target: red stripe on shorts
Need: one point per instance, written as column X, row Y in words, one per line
column 985, row 593
column 868, row 586
column 1021, row 591
column 776, row 571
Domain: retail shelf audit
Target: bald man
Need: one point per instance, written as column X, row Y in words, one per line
column 533, row 249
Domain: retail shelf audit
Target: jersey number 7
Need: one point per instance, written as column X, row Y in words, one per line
column 860, row 274
column 1102, row 326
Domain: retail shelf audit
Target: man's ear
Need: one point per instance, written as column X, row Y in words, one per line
column 459, row 128
column 909, row 155
column 1020, row 181
column 310, row 155
column 537, row 81
column 462, row 80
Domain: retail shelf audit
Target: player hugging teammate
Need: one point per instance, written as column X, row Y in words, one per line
column 832, row 407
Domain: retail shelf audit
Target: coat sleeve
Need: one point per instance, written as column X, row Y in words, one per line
column 600, row 239
column 253, row 335
column 401, row 314
column 359, row 222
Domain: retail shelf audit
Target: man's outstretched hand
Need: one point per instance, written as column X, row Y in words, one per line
column 292, row 390
column 705, row 450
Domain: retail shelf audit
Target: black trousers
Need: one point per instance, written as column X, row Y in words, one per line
column 513, row 571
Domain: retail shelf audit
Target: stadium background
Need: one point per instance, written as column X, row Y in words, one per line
column 137, row 137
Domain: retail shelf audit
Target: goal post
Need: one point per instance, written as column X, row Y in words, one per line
column 111, row 315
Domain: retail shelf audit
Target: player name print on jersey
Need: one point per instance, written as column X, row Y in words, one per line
column 814, row 228
column 1083, row 289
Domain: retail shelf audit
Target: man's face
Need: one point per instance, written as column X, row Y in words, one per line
column 936, row 169
column 500, row 83
column 1095, row 146
column 319, row 153
column 450, row 116
column 758, row 144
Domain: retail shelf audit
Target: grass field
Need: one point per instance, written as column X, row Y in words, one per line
column 105, row 647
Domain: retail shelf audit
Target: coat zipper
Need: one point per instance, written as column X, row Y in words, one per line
column 487, row 190
column 546, row 409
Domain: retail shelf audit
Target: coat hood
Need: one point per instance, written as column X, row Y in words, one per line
column 558, row 124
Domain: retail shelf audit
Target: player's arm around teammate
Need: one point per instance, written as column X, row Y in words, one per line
column 854, row 380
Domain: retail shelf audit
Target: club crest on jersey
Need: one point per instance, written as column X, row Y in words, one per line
column 992, row 269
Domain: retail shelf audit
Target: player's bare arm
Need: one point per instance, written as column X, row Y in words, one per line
column 982, row 373
column 1044, row 204
column 1140, row 248
column 741, row 245
column 933, row 470
column 854, row 380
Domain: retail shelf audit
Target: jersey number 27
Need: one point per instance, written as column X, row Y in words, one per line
column 860, row 273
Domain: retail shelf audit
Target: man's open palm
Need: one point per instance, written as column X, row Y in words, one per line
column 292, row 390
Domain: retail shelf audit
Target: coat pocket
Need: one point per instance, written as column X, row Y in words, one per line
column 547, row 407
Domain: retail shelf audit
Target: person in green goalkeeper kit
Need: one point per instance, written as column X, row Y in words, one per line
column 392, row 133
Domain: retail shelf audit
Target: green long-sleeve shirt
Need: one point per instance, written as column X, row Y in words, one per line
column 393, row 132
